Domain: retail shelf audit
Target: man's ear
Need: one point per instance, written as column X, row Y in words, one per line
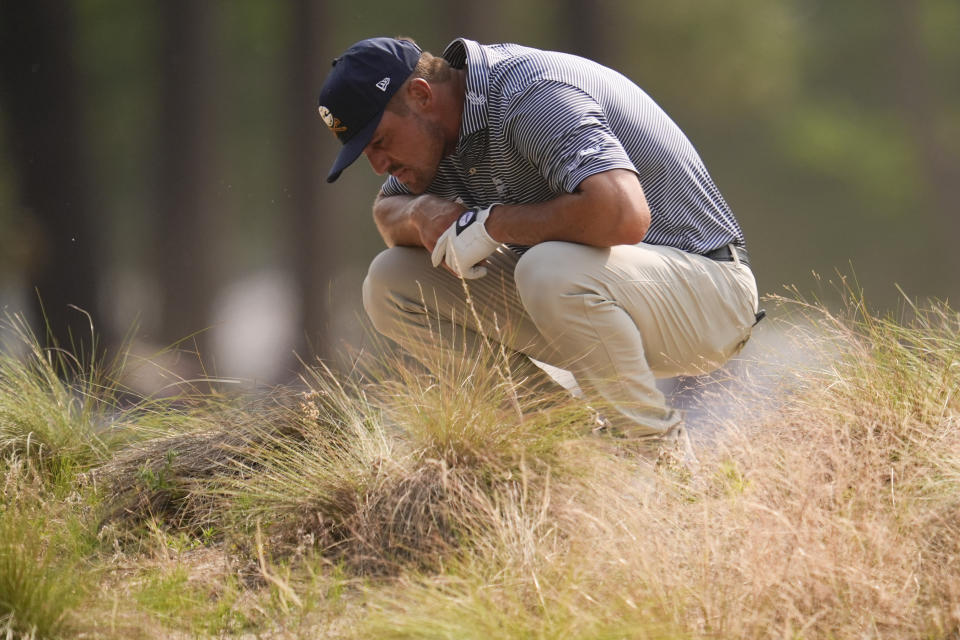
column 419, row 93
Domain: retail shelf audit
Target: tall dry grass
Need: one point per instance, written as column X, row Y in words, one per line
column 446, row 499
column 834, row 514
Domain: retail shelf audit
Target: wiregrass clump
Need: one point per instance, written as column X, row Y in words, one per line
column 390, row 472
column 378, row 473
column 70, row 412
column 53, row 407
column 169, row 477
column 477, row 406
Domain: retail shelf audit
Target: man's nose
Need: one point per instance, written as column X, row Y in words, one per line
column 378, row 161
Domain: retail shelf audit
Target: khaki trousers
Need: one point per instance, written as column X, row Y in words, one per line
column 617, row 317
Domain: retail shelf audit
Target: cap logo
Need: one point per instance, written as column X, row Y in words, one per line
column 382, row 85
column 333, row 123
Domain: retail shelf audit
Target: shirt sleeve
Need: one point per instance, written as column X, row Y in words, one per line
column 563, row 132
column 393, row 187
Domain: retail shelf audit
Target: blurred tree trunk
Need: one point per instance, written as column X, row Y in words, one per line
column 40, row 94
column 185, row 229
column 312, row 230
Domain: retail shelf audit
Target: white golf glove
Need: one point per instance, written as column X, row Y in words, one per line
column 465, row 244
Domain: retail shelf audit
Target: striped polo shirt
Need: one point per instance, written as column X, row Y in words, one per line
column 537, row 123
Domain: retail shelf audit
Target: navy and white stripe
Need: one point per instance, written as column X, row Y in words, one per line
column 536, row 123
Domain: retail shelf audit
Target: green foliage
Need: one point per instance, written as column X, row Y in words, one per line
column 731, row 477
column 119, row 98
column 871, row 153
column 158, row 479
column 749, row 82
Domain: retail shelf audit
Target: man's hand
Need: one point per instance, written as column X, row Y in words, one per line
column 465, row 244
column 432, row 216
column 414, row 221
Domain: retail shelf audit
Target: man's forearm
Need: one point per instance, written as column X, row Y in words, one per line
column 606, row 210
column 394, row 221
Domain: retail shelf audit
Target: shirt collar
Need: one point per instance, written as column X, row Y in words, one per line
column 466, row 53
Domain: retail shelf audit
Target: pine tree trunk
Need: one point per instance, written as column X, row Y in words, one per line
column 40, row 95
column 312, row 228
column 186, row 231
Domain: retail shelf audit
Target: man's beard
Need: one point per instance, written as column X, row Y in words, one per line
column 434, row 141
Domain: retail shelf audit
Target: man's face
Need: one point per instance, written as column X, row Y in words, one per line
column 408, row 146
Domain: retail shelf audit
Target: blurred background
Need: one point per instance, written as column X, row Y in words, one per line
column 162, row 163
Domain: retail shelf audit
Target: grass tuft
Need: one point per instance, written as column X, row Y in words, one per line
column 38, row 575
column 51, row 406
column 383, row 474
column 169, row 476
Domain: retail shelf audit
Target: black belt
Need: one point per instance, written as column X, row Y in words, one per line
column 726, row 252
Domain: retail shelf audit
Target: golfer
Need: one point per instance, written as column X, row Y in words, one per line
column 586, row 228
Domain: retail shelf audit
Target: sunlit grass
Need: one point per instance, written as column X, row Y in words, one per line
column 445, row 499
column 837, row 515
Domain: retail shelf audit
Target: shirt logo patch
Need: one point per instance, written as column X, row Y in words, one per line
column 383, row 84
column 500, row 187
column 332, row 123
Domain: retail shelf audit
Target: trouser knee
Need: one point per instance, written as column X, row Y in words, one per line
column 544, row 282
column 387, row 272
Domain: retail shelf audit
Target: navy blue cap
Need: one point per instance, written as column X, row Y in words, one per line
column 356, row 92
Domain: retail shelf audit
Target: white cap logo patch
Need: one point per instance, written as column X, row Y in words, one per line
column 333, row 123
column 327, row 116
column 382, row 85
